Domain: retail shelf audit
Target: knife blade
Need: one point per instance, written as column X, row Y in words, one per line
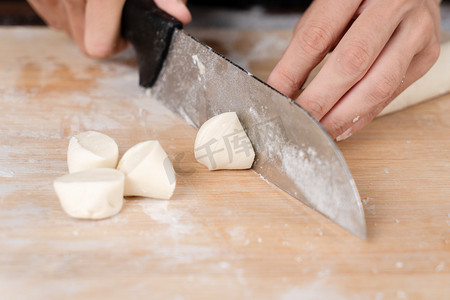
column 292, row 149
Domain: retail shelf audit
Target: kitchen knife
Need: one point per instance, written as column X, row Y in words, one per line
column 292, row 149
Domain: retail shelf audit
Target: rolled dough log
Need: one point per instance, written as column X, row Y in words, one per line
column 148, row 171
column 222, row 143
column 91, row 194
column 434, row 83
column 90, row 150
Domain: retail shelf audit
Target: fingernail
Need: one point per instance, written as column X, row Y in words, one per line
column 345, row 135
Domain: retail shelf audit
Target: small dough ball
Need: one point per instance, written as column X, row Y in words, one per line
column 90, row 150
column 91, row 194
column 148, row 171
column 222, row 143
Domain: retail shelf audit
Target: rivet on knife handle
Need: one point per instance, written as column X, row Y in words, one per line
column 150, row 30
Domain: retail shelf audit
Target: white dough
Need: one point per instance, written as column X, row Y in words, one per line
column 222, row 143
column 91, row 194
column 90, row 150
column 148, row 171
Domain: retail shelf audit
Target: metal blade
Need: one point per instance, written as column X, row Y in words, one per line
column 292, row 149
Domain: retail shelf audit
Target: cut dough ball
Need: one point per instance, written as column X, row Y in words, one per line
column 90, row 150
column 222, row 143
column 148, row 171
column 91, row 194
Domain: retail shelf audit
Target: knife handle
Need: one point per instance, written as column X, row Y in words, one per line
column 150, row 30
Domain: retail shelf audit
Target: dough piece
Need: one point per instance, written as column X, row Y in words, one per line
column 91, row 194
column 148, row 171
column 222, row 143
column 90, row 150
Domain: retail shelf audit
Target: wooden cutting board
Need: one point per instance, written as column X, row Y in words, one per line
column 225, row 234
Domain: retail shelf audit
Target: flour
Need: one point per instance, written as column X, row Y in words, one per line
column 319, row 289
column 199, row 64
column 440, row 266
column 160, row 211
column 21, row 216
column 16, row 243
column 6, row 173
column 265, row 48
column 7, row 188
column 307, row 170
column 32, row 133
column 182, row 254
column 379, row 296
column 238, row 234
column 401, row 294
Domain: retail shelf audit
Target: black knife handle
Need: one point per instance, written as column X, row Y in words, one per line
column 150, row 30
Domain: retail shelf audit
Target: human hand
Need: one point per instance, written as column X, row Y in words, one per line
column 380, row 48
column 95, row 24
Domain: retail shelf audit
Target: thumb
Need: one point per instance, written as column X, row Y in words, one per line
column 175, row 8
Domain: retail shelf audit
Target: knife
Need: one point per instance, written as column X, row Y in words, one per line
column 292, row 149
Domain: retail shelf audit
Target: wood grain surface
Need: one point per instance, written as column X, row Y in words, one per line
column 225, row 234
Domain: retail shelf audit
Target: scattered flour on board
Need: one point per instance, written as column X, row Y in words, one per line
column 21, row 215
column 224, row 265
column 182, row 254
column 160, row 211
column 368, row 206
column 440, row 266
column 7, row 173
column 379, row 296
column 266, row 46
column 312, row 291
column 238, row 234
column 6, row 189
column 402, row 294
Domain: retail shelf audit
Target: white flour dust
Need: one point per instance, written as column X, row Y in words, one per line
column 319, row 289
column 199, row 64
column 440, row 266
column 161, row 212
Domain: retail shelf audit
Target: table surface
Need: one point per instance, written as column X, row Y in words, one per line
column 225, row 234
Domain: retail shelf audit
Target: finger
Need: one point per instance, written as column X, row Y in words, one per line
column 316, row 32
column 351, row 59
column 394, row 70
column 75, row 15
column 375, row 90
column 52, row 11
column 102, row 36
column 175, row 8
column 416, row 70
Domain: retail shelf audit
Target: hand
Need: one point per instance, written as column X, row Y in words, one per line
column 380, row 48
column 95, row 24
